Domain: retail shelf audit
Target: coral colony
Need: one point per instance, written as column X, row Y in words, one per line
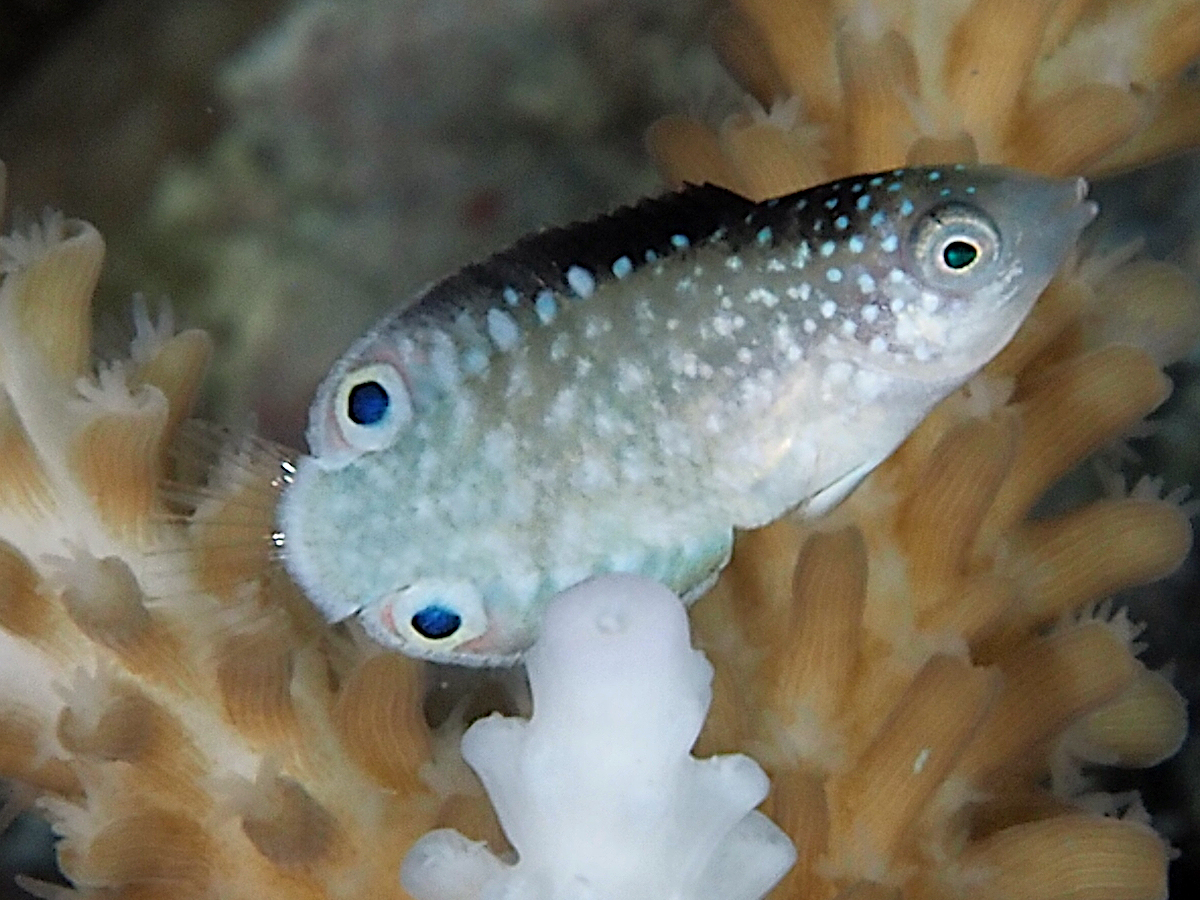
column 921, row 674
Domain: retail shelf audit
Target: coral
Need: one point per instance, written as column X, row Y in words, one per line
column 191, row 732
column 597, row 791
column 925, row 672
column 1058, row 88
column 922, row 674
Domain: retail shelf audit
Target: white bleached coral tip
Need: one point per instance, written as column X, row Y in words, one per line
column 598, row 792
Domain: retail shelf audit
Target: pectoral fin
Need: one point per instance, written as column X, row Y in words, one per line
column 835, row 492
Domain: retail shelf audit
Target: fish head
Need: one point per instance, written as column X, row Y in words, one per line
column 954, row 262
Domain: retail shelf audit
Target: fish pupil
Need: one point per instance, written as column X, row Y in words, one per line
column 436, row 622
column 368, row 403
column 959, row 254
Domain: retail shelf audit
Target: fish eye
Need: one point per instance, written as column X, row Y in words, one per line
column 371, row 404
column 959, row 254
column 367, row 403
column 953, row 242
column 430, row 618
column 435, row 622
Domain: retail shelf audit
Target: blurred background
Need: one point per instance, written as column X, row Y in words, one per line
column 283, row 172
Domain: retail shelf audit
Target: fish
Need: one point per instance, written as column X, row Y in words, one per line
column 620, row 395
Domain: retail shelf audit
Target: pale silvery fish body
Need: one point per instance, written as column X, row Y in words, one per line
column 619, row 395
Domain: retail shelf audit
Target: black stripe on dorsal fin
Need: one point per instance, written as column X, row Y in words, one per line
column 660, row 225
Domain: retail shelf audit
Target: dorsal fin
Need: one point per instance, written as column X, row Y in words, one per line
column 659, row 226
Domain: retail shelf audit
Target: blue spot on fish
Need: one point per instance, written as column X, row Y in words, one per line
column 545, row 306
column 582, row 282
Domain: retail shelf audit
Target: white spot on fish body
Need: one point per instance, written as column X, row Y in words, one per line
column 633, row 466
column 511, row 297
column 863, row 202
column 870, row 313
column 889, row 244
column 828, row 308
column 774, row 264
column 767, row 298
column 631, row 377
column 582, row 282
column 877, row 219
column 583, row 365
column 562, row 409
column 596, row 326
column 722, row 324
column 856, row 244
column 809, row 326
column 499, row 448
column 930, row 301
column 866, row 283
column 869, row 385
column 560, row 347
column 849, row 327
column 841, row 223
column 679, row 241
column 592, row 475
column 827, row 248
column 833, row 275
column 643, row 310
column 622, row 266
column 878, row 344
column 785, row 342
column 764, row 235
column 443, row 360
column 502, row 329
column 475, row 361
column 906, row 207
column 519, row 382
column 733, row 263
column 836, row 376
column 744, row 355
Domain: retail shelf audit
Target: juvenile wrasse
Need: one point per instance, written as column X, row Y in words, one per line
column 619, row 395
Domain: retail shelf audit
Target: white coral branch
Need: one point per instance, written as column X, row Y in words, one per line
column 598, row 792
